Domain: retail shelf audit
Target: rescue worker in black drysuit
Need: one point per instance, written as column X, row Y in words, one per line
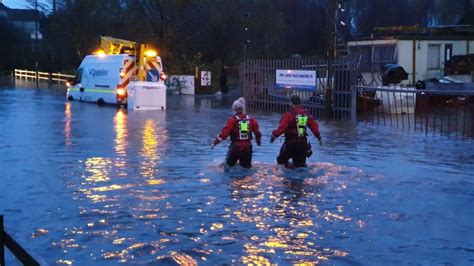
column 294, row 124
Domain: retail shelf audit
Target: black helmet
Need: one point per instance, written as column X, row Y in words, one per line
column 295, row 99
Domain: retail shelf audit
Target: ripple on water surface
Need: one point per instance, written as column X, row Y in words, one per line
column 85, row 185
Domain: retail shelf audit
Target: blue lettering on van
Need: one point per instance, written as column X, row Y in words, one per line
column 98, row 72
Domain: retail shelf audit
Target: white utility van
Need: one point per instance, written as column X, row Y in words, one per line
column 104, row 79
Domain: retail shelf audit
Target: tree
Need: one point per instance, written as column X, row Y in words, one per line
column 14, row 46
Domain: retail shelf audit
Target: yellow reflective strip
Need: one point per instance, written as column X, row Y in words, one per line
column 93, row 90
column 244, row 126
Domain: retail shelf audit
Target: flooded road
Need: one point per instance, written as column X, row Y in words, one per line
column 85, row 185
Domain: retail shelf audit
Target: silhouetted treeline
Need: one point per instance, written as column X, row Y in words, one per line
column 192, row 33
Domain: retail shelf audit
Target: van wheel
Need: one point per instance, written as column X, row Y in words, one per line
column 70, row 98
column 100, row 102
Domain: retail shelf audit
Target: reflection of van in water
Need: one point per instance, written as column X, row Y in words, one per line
column 104, row 78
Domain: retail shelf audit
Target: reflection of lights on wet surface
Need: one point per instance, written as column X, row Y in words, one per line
column 67, row 123
column 65, row 262
column 149, row 151
column 289, row 218
column 216, row 226
column 296, row 207
column 183, row 259
column 39, row 232
column 97, row 169
column 98, row 189
column 121, row 133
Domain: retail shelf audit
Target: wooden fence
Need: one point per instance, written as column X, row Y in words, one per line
column 330, row 99
column 38, row 75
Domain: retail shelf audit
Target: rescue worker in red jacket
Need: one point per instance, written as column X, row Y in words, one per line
column 240, row 128
column 294, row 124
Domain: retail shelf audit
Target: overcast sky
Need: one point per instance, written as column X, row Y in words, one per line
column 14, row 3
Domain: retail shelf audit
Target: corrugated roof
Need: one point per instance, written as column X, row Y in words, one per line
column 444, row 32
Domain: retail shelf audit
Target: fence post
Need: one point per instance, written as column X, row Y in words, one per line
column 2, row 247
column 354, row 104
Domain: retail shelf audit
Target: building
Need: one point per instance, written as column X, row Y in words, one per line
column 422, row 52
column 23, row 19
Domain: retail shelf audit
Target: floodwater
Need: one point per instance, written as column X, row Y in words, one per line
column 85, row 185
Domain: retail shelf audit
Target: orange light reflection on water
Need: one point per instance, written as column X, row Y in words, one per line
column 67, row 123
column 295, row 208
column 103, row 187
column 121, row 133
column 149, row 151
column 153, row 135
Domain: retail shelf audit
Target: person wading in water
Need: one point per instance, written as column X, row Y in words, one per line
column 294, row 124
column 240, row 127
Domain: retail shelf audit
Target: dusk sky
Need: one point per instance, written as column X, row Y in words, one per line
column 14, row 3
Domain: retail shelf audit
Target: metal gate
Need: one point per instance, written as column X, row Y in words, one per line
column 445, row 111
column 330, row 99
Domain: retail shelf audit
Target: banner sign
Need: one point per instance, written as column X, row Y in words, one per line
column 296, row 79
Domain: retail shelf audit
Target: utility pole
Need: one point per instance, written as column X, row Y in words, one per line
column 336, row 19
column 36, row 43
column 246, row 29
column 331, row 56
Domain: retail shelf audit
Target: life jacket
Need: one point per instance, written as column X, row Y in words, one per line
column 242, row 130
column 298, row 130
column 301, row 124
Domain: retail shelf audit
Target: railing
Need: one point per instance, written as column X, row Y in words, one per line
column 331, row 97
column 7, row 241
column 34, row 75
column 447, row 112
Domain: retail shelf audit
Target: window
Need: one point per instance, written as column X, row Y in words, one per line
column 433, row 56
column 448, row 51
column 364, row 54
column 77, row 77
column 384, row 53
column 374, row 57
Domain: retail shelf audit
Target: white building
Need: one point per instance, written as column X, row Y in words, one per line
column 23, row 19
column 422, row 52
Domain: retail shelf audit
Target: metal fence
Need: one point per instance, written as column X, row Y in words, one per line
column 330, row 99
column 445, row 112
column 7, row 241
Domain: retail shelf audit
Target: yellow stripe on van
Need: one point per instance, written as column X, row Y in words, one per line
column 92, row 90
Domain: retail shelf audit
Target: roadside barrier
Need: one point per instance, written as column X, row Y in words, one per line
column 444, row 111
column 38, row 75
column 20, row 253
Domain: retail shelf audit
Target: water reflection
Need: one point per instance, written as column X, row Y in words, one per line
column 149, row 151
column 192, row 211
column 67, row 123
column 97, row 170
column 287, row 215
column 154, row 137
column 121, row 133
column 123, row 191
